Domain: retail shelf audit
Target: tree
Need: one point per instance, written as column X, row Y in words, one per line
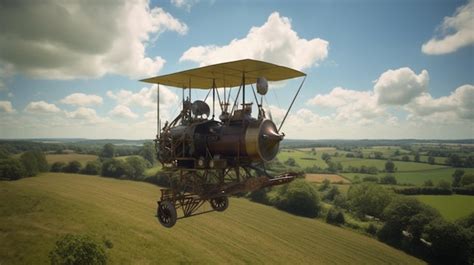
column 73, row 167
column 388, row 179
column 457, row 175
column 405, row 213
column 378, row 155
column 11, row 169
column 372, row 170
column 389, row 166
column 405, row 158
column 450, row 242
column 115, row 168
column 332, row 193
column 443, row 184
column 428, row 183
column 397, row 152
column 431, row 160
column 299, row 197
column 417, row 157
column 92, row 168
column 30, row 163
column 290, row 162
column 326, row 157
column 335, row 216
column 58, row 166
column 369, row 199
column 77, row 250
column 467, row 179
column 137, row 166
column 148, row 152
column 454, row 160
column 108, row 151
column 325, row 185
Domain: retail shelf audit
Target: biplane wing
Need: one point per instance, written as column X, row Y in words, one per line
column 229, row 74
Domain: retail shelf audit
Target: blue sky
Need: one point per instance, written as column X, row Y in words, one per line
column 376, row 69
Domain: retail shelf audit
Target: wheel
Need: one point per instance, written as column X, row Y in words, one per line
column 166, row 213
column 220, row 203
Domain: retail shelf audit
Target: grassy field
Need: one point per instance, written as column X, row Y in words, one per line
column 321, row 177
column 451, row 207
column 417, row 177
column 40, row 209
column 380, row 164
column 66, row 158
column 303, row 158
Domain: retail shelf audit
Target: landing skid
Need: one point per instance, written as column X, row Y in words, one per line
column 170, row 201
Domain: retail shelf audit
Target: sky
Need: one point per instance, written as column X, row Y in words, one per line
column 375, row 69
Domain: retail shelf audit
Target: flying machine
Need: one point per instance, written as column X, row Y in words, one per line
column 209, row 156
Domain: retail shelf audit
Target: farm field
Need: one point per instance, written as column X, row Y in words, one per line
column 380, row 164
column 66, row 158
column 321, row 177
column 44, row 207
column 416, row 177
column 303, row 158
column 451, row 207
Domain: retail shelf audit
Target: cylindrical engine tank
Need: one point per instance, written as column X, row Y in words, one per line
column 254, row 140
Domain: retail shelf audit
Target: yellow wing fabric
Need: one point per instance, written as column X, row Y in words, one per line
column 226, row 75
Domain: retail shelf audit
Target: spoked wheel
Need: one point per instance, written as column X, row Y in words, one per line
column 220, row 203
column 166, row 213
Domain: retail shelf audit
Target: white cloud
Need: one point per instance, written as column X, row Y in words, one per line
column 350, row 104
column 41, row 107
column 275, row 41
column 146, row 98
column 456, row 32
column 71, row 39
column 457, row 106
column 86, row 114
column 81, row 99
column 185, row 4
column 6, row 106
column 122, row 111
column 400, row 86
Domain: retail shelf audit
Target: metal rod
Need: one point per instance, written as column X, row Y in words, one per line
column 213, row 98
column 243, row 91
column 291, row 105
column 158, row 111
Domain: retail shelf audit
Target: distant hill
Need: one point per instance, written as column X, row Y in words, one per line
column 35, row 211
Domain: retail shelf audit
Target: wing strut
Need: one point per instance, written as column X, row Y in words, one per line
column 291, row 105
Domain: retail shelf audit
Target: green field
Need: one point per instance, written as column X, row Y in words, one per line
column 303, row 158
column 66, row 158
column 40, row 209
column 451, row 207
column 380, row 164
column 417, row 177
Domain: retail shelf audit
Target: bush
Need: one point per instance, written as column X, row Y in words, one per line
column 370, row 179
column 159, row 179
column 325, row 185
column 299, row 197
column 389, row 179
column 368, row 199
column 389, row 166
column 259, row 196
column 115, row 168
column 450, row 242
column 58, row 167
column 11, row 169
column 331, row 194
column 467, row 179
column 371, row 229
column 34, row 162
column 405, row 213
column 73, row 167
column 77, row 250
column 424, row 191
column 335, row 216
column 137, row 166
column 91, row 168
